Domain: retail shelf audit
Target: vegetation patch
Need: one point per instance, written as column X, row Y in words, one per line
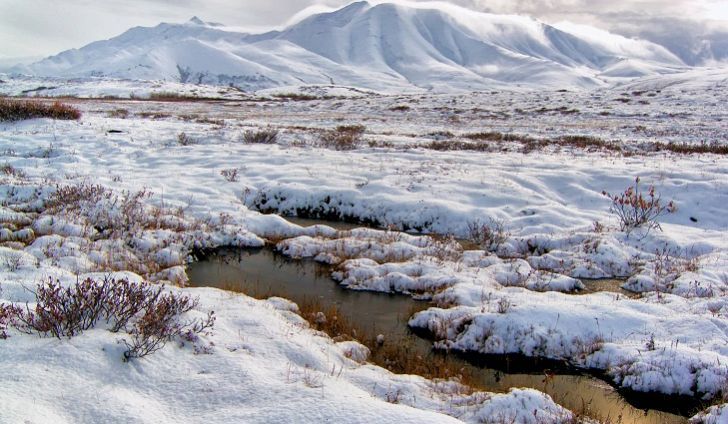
column 147, row 313
column 343, row 137
column 19, row 110
column 635, row 208
column 171, row 96
column 396, row 357
column 299, row 97
column 265, row 136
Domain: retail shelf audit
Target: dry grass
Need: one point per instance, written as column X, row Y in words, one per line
column 153, row 115
column 299, row 97
column 185, row 140
column 400, row 357
column 18, row 110
column 10, row 170
column 343, row 137
column 688, row 149
column 400, row 108
column 489, row 141
column 118, row 113
column 265, row 136
column 170, row 96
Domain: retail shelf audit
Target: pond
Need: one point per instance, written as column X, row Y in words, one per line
column 264, row 272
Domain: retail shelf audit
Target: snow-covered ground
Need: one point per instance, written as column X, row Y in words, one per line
column 518, row 298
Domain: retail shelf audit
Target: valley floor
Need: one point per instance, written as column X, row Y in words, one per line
column 530, row 168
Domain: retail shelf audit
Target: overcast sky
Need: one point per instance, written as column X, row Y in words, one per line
column 44, row 27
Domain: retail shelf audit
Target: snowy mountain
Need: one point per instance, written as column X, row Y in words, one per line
column 383, row 46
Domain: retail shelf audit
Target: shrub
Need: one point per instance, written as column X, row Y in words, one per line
column 72, row 198
column 400, row 108
column 230, row 174
column 146, row 312
column 343, row 137
column 18, row 110
column 299, row 97
column 160, row 323
column 636, row 209
column 8, row 314
column 118, row 113
column 9, row 170
column 171, row 96
column 266, row 136
column 184, row 140
column 489, row 235
column 503, row 305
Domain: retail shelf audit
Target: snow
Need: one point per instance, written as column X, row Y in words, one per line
column 383, row 46
column 266, row 363
column 265, row 366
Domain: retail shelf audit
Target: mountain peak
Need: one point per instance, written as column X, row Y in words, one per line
column 356, row 5
column 381, row 46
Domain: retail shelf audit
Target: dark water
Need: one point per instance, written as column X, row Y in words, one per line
column 262, row 272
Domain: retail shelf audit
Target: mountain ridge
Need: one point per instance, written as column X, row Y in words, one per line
column 385, row 47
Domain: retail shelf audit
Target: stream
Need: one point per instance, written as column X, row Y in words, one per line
column 263, row 272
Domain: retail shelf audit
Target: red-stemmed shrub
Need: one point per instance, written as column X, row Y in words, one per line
column 146, row 312
column 634, row 208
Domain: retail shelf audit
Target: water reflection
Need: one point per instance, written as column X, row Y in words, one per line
column 264, row 273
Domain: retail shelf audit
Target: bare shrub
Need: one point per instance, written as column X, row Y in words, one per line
column 73, row 197
column 266, row 136
column 106, row 211
column 153, row 115
column 10, row 170
column 669, row 265
column 503, row 305
column 343, row 137
column 400, row 108
column 598, row 227
column 8, row 318
column 492, row 136
column 441, row 135
column 151, row 316
column 171, row 96
column 650, row 343
column 636, row 209
column 451, row 145
column 691, row 148
column 118, row 113
column 301, row 97
column 489, row 235
column 230, row 174
column 160, row 322
column 18, row 110
column 65, row 312
column 184, row 140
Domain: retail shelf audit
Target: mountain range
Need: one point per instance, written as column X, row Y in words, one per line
column 385, row 47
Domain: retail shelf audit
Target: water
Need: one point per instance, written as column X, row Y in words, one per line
column 262, row 273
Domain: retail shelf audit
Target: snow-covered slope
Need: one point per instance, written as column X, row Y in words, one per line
column 384, row 46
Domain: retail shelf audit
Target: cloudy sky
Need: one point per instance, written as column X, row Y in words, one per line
column 690, row 28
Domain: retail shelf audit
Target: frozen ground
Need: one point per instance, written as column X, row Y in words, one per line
column 208, row 185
